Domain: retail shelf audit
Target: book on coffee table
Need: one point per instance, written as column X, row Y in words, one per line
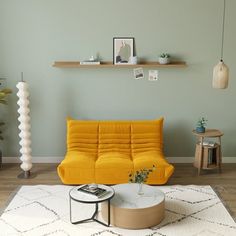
column 97, row 192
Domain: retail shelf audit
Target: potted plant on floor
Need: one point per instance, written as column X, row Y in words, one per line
column 201, row 125
column 3, row 95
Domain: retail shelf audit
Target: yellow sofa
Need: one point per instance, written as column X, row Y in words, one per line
column 107, row 151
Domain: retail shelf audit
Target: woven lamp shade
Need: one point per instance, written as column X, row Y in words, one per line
column 220, row 76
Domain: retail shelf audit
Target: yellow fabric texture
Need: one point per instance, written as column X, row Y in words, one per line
column 108, row 151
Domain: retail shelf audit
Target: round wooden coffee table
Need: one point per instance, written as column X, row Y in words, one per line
column 133, row 211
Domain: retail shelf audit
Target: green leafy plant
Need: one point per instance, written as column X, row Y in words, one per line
column 202, row 122
column 3, row 95
column 140, row 176
column 165, row 55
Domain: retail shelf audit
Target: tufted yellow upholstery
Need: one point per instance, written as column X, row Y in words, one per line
column 107, row 151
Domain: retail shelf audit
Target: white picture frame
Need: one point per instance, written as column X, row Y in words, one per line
column 123, row 50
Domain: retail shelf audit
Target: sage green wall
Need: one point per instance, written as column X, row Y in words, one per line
column 35, row 33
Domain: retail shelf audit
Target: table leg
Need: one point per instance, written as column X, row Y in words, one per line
column 220, row 155
column 70, row 209
column 109, row 213
column 95, row 212
column 201, row 156
column 93, row 216
column 102, row 223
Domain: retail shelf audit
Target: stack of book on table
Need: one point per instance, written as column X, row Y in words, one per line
column 91, row 191
column 209, row 143
column 210, row 152
column 212, row 156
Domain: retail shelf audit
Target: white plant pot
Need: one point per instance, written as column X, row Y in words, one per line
column 164, row 60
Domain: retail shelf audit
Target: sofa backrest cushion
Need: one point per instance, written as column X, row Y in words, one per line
column 146, row 136
column 82, row 136
column 114, row 136
column 127, row 137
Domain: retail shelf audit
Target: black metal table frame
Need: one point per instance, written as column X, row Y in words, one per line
column 95, row 212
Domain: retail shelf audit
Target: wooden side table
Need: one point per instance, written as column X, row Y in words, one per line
column 208, row 157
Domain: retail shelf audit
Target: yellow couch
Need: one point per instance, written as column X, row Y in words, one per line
column 107, row 151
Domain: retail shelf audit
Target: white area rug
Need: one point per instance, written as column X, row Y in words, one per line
column 43, row 210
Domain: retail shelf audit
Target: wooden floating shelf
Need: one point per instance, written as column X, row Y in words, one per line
column 109, row 64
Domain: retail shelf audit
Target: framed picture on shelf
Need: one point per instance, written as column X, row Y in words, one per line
column 123, row 50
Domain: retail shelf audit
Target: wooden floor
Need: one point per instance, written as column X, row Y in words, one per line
column 184, row 174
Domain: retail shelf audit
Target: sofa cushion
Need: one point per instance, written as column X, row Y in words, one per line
column 113, row 168
column 82, row 136
column 146, row 136
column 114, row 137
column 77, row 168
column 163, row 170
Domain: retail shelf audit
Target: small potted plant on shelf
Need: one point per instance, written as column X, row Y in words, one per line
column 164, row 58
column 140, row 177
column 201, row 125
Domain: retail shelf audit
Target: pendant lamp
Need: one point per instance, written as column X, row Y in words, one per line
column 221, row 70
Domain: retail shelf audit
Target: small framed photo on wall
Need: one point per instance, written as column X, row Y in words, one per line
column 138, row 73
column 123, row 50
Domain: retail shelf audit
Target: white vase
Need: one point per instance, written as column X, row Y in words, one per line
column 140, row 189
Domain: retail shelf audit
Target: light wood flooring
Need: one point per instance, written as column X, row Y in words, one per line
column 184, row 174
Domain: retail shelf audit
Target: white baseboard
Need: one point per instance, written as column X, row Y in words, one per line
column 56, row 159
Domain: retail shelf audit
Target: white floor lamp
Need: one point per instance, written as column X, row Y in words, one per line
column 24, row 119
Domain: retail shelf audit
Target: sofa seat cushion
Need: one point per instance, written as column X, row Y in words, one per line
column 113, row 168
column 77, row 166
column 162, row 171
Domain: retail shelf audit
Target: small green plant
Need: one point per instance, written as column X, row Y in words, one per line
column 140, row 176
column 165, row 55
column 202, row 122
column 3, row 95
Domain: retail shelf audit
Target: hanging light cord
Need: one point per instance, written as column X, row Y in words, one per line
column 223, row 31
